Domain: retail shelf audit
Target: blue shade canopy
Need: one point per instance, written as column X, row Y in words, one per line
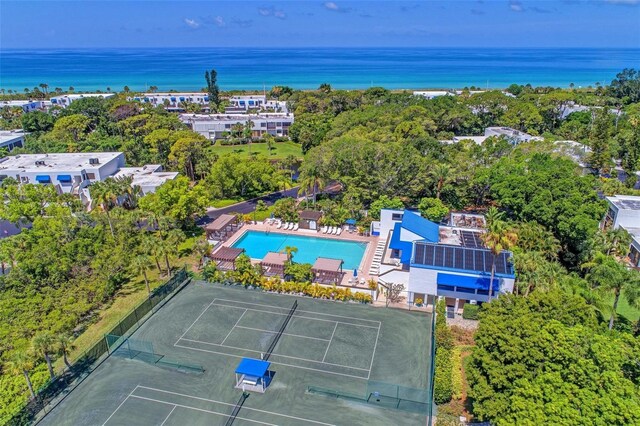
column 420, row 226
column 253, row 367
column 43, row 178
column 64, row 178
column 476, row 283
column 350, row 222
column 396, row 243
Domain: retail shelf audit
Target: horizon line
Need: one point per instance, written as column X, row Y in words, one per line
column 320, row 47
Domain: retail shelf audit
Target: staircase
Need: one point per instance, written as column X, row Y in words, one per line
column 374, row 269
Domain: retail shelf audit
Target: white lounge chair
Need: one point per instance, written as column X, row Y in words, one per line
column 289, row 225
column 335, row 230
column 330, row 230
column 324, row 230
column 339, row 231
column 279, row 225
column 295, row 226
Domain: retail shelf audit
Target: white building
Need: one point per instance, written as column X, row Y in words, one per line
column 26, row 105
column 430, row 94
column 216, row 126
column 148, row 177
column 66, row 100
column 512, row 135
column 445, row 261
column 624, row 211
column 174, row 101
column 68, row 172
column 10, row 139
column 245, row 103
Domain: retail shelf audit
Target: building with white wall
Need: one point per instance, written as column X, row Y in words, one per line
column 69, row 172
column 514, row 136
column 66, row 100
column 10, row 139
column 430, row 94
column 245, row 103
column 216, row 126
column 432, row 260
column 26, row 105
column 624, row 212
column 174, row 101
column 148, row 177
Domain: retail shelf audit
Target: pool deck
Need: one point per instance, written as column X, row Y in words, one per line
column 365, row 263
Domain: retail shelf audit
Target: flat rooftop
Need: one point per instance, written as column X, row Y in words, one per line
column 625, row 202
column 233, row 117
column 9, row 135
column 149, row 175
column 57, row 161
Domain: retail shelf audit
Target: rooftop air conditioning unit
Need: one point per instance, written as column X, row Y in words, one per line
column 473, row 302
column 94, row 161
column 40, row 163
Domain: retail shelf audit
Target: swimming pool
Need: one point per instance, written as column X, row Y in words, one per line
column 257, row 244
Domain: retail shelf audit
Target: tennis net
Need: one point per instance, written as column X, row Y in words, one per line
column 273, row 344
column 237, row 408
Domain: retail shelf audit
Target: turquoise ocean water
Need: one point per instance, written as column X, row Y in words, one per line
column 258, row 244
column 347, row 68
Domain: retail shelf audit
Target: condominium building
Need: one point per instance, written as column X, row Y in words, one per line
column 148, row 177
column 245, row 103
column 26, row 105
column 66, row 100
column 10, row 139
column 624, row 212
column 174, row 101
column 216, row 126
column 514, row 136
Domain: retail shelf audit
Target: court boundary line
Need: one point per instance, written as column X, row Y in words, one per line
column 375, row 346
column 233, row 328
column 169, row 415
column 297, row 310
column 274, row 353
column 199, row 409
column 229, row 404
column 120, row 405
column 294, row 315
column 329, row 345
column 272, row 362
column 284, row 334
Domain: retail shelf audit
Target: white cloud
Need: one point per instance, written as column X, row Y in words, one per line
column 271, row 11
column 191, row 23
column 265, row 11
column 219, row 21
column 515, row 6
column 279, row 14
column 331, row 5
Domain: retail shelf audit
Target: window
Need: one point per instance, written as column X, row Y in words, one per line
column 446, row 287
column 263, row 124
column 396, row 216
column 91, row 175
column 227, row 126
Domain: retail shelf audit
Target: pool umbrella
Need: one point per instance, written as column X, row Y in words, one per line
column 355, row 273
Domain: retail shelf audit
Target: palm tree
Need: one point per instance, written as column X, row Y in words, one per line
column 202, row 248
column 311, row 182
column 607, row 275
column 498, row 238
column 65, row 344
column 22, row 362
column 45, row 87
column 140, row 264
column 104, row 193
column 71, row 89
column 290, row 251
column 441, row 174
column 44, row 344
column 150, row 247
column 615, row 242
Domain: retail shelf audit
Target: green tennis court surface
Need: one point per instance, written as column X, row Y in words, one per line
column 328, row 350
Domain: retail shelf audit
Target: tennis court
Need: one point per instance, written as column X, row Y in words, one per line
column 343, row 347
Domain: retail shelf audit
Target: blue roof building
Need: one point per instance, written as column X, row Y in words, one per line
column 434, row 260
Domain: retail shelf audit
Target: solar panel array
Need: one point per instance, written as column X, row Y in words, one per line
column 465, row 258
column 471, row 239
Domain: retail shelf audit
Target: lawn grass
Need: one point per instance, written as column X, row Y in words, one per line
column 624, row 309
column 127, row 298
column 280, row 150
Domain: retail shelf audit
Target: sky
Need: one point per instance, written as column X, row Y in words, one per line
column 309, row 23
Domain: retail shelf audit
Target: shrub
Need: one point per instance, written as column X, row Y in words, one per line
column 442, row 387
column 456, row 372
column 419, row 302
column 470, row 311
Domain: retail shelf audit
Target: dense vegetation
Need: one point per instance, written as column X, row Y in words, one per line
column 543, row 355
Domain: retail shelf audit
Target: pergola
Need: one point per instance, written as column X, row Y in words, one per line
column 327, row 271
column 222, row 228
column 253, row 375
column 273, row 264
column 225, row 257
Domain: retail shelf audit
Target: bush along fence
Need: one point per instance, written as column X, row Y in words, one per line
column 54, row 391
column 252, row 278
column 443, row 385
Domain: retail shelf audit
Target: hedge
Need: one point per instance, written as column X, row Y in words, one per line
column 442, row 388
column 470, row 311
column 456, row 372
